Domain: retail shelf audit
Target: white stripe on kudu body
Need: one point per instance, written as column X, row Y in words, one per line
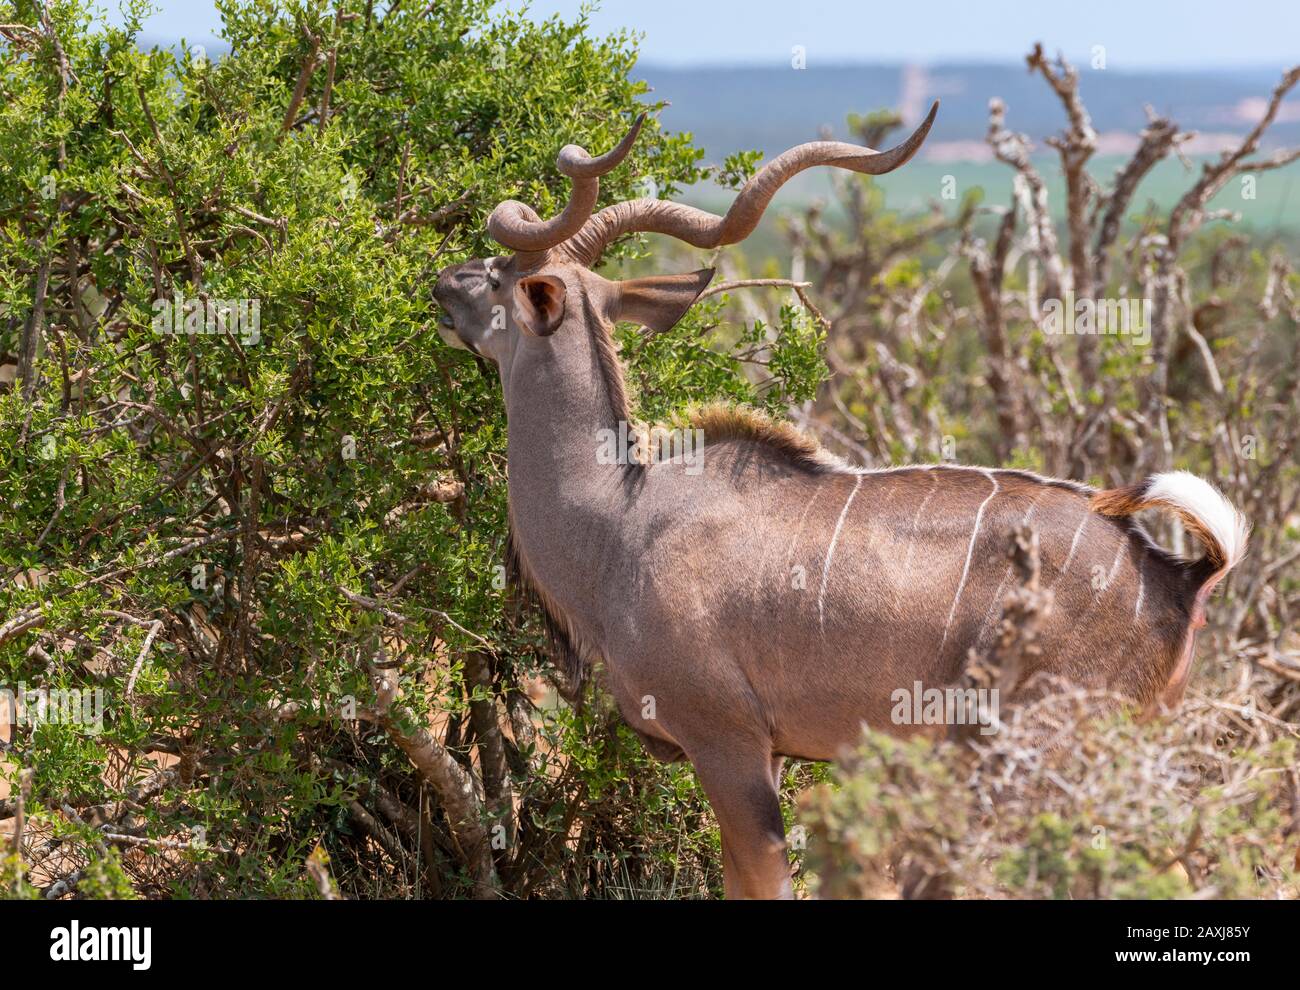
column 970, row 549
column 1074, row 543
column 1114, row 567
column 911, row 545
column 830, row 553
column 996, row 603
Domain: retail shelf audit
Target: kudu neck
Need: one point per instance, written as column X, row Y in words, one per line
column 562, row 395
column 568, row 503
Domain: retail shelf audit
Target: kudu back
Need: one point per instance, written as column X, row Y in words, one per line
column 764, row 600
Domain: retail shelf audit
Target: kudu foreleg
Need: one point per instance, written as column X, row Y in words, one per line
column 743, row 793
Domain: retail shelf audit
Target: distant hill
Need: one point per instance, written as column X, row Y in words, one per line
column 772, row 108
column 734, row 108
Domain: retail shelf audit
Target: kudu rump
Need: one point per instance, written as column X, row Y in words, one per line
column 681, row 577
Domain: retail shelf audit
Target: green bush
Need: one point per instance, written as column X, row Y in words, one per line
column 232, row 534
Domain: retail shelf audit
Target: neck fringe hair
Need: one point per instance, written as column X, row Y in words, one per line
column 611, row 368
column 721, row 422
column 572, row 655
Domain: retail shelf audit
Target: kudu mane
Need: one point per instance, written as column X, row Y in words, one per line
column 719, row 422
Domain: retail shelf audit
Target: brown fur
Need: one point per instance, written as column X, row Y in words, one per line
column 1130, row 500
column 721, row 423
column 1120, row 502
column 611, row 368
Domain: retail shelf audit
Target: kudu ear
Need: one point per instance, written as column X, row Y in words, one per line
column 658, row 302
column 539, row 304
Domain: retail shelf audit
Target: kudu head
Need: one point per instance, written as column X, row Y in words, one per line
column 546, row 290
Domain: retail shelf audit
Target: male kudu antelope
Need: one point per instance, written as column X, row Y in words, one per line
column 681, row 581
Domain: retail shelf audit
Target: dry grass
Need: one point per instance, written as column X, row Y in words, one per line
column 1073, row 798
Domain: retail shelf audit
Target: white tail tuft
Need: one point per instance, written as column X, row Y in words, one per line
column 1211, row 515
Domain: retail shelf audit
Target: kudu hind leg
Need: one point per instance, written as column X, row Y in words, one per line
column 742, row 791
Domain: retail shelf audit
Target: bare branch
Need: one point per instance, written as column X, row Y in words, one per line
column 452, row 783
column 1013, row 149
column 747, row 283
column 304, row 77
column 1158, row 138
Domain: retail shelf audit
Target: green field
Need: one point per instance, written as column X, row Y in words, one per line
column 1273, row 213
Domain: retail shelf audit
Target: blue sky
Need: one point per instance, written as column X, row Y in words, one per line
column 1137, row 34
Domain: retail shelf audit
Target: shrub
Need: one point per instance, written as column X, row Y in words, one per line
column 241, row 537
column 1067, row 800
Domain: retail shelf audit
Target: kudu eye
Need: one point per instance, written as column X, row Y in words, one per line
column 493, row 278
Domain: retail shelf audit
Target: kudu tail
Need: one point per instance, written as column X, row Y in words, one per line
column 1209, row 516
column 1221, row 529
